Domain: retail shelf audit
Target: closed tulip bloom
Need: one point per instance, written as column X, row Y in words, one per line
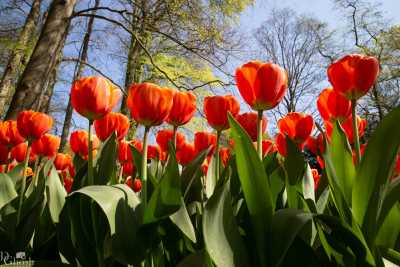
column 110, row 123
column 204, row 140
column 333, row 106
column 164, row 137
column 216, row 109
column 353, row 75
column 347, row 126
column 128, row 168
column 186, row 153
column 124, row 151
column 249, row 122
column 46, row 146
column 297, row 126
column 62, row 161
column 262, row 85
column 18, row 153
column 79, row 143
column 3, row 154
column 183, row 108
column 9, row 135
column 94, row 97
column 149, row 104
column 68, row 182
column 136, row 185
column 224, row 155
column 32, row 125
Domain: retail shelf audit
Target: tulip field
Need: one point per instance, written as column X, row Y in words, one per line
column 195, row 201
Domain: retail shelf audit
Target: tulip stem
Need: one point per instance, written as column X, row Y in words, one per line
column 90, row 155
column 175, row 131
column 259, row 134
column 355, row 131
column 217, row 156
column 23, row 183
column 144, row 168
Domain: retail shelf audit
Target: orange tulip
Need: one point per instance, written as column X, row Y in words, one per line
column 347, row 126
column 297, row 126
column 3, row 154
column 262, row 85
column 79, row 143
column 124, row 151
column 165, row 136
column 316, row 144
column 62, row 161
column 112, row 122
column 268, row 147
column 224, row 155
column 32, row 125
column 333, row 106
column 316, row 178
column 204, row 140
column 18, row 153
column 46, row 146
column 9, row 135
column 94, row 97
column 149, row 103
column 249, row 122
column 216, row 109
column 353, row 75
column 186, row 153
column 183, row 108
column 281, row 145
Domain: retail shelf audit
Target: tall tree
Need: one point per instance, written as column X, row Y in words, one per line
column 292, row 42
column 43, row 60
column 10, row 73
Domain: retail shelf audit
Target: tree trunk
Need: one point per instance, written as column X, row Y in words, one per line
column 43, row 59
column 10, row 74
column 377, row 101
column 78, row 72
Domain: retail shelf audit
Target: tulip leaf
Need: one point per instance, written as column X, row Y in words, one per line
column 255, row 187
column 7, row 190
column 198, row 259
column 286, row 225
column 191, row 174
column 166, row 197
column 391, row 197
column 295, row 163
column 182, row 220
column 221, row 233
column 56, row 194
column 308, row 184
column 374, row 171
column 211, row 178
column 342, row 160
column 105, row 165
column 389, row 228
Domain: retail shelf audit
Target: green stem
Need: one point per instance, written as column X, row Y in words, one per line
column 217, row 156
column 259, row 134
column 144, row 167
column 355, row 130
column 175, row 131
column 90, row 156
column 23, row 183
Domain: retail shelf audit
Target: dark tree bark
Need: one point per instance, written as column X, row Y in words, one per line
column 10, row 74
column 79, row 69
column 43, row 59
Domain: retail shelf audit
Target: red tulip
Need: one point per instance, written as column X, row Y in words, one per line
column 396, row 171
column 79, row 143
column 268, row 147
column 316, row 144
column 333, row 106
column 62, row 161
column 18, row 153
column 9, row 135
column 94, row 97
column 216, row 109
column 3, row 154
column 68, row 182
column 183, row 108
column 32, row 125
column 353, row 75
column 204, row 140
column 137, row 185
column 262, row 85
column 128, row 168
column 154, row 152
column 186, row 153
column 149, row 103
column 316, row 178
column 112, row 122
column 281, row 145
column 165, row 136
column 124, row 151
column 297, row 126
column 321, row 162
column 347, row 126
column 224, row 155
column 249, row 122
column 46, row 146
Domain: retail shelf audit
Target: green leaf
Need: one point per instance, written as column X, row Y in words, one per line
column 166, row 197
column 342, row 160
column 391, row 197
column 286, row 225
column 137, row 160
column 255, row 186
column 211, row 179
column 7, row 190
column 191, row 178
column 221, row 233
column 105, row 166
column 198, row 259
column 295, row 163
column 56, row 194
column 374, row 171
column 308, row 184
column 182, row 220
column 389, row 229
